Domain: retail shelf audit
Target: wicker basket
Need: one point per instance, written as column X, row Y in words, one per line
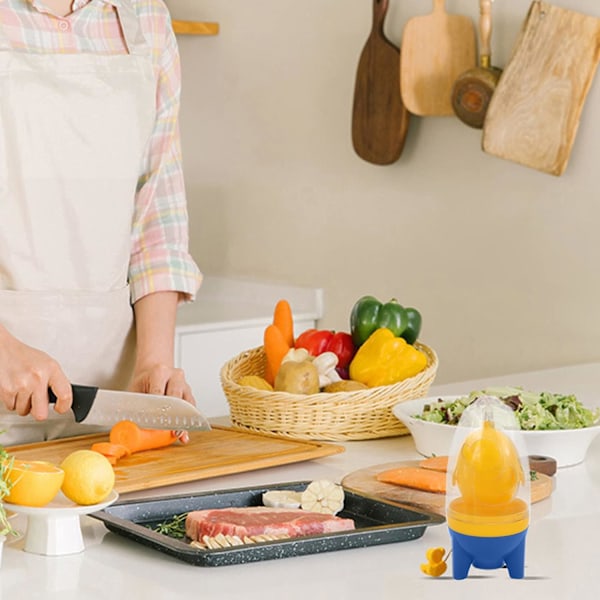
column 358, row 415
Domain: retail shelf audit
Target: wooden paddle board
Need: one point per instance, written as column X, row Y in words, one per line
column 220, row 451
column 379, row 118
column 534, row 113
column 365, row 482
column 436, row 49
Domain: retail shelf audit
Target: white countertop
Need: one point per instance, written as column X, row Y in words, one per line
column 561, row 549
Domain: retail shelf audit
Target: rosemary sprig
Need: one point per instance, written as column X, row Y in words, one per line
column 173, row 527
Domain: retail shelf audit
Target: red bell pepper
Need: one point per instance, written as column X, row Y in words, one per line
column 317, row 341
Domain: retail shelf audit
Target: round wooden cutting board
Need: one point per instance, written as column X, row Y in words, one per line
column 365, row 482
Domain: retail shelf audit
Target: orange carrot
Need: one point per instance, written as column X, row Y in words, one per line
column 108, row 449
column 435, row 463
column 284, row 321
column 415, row 477
column 275, row 349
column 136, row 439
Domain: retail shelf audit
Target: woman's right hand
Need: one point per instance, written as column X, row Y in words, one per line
column 25, row 376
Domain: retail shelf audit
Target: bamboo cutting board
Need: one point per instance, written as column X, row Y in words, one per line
column 436, row 49
column 220, row 451
column 365, row 482
column 534, row 113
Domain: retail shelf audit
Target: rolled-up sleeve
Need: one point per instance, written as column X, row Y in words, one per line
column 160, row 258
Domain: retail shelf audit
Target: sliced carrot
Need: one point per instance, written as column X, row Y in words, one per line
column 417, row 478
column 108, row 449
column 284, row 321
column 275, row 349
column 136, row 439
column 435, row 463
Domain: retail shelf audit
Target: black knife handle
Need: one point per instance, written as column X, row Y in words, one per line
column 83, row 399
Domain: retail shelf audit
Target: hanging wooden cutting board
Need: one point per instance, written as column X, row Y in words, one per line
column 534, row 113
column 379, row 118
column 365, row 482
column 436, row 49
column 220, row 451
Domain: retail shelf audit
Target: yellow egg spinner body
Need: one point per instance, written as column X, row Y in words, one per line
column 488, row 488
column 488, row 469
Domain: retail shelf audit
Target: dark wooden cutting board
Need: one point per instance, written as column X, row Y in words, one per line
column 365, row 482
column 379, row 118
column 220, row 451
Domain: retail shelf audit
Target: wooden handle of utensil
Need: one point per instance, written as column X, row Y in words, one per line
column 439, row 6
column 543, row 464
column 194, row 27
column 380, row 8
column 485, row 33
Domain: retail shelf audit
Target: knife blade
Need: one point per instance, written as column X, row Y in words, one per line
column 94, row 406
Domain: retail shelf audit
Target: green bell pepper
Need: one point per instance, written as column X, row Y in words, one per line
column 368, row 314
column 413, row 328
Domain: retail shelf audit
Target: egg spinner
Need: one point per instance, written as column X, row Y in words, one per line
column 487, row 505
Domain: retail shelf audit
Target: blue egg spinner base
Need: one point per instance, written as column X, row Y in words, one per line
column 488, row 553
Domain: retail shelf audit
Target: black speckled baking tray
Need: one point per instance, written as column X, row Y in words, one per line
column 376, row 521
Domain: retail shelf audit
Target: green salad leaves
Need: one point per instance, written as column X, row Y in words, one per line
column 540, row 411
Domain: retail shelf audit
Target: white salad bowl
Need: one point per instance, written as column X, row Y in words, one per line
column 567, row 446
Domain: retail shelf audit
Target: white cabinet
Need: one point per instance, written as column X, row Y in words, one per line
column 228, row 317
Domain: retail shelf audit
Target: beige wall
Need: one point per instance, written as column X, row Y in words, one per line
column 502, row 260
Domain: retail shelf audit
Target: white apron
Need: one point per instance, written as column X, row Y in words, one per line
column 73, row 128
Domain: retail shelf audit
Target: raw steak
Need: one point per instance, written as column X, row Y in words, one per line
column 261, row 520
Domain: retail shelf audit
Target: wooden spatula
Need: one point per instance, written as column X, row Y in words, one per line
column 436, row 49
column 379, row 118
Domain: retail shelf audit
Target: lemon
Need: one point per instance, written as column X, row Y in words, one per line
column 34, row 482
column 89, row 477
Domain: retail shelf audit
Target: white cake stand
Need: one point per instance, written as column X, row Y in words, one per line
column 55, row 529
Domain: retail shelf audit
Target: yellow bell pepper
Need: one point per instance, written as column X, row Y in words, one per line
column 385, row 359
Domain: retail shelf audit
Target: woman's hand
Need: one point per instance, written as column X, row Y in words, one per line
column 162, row 380
column 25, row 376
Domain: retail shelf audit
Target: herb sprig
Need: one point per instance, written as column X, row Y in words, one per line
column 173, row 527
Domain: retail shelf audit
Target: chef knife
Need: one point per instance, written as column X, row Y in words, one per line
column 93, row 406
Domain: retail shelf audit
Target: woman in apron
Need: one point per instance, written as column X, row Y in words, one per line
column 93, row 223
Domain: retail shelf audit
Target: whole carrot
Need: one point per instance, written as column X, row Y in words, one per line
column 284, row 321
column 136, row 439
column 276, row 347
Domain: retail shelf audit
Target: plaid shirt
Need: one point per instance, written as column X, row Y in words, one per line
column 159, row 257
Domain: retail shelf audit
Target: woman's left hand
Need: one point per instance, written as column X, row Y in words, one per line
column 162, row 380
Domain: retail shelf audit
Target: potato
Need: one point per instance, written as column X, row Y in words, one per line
column 297, row 378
